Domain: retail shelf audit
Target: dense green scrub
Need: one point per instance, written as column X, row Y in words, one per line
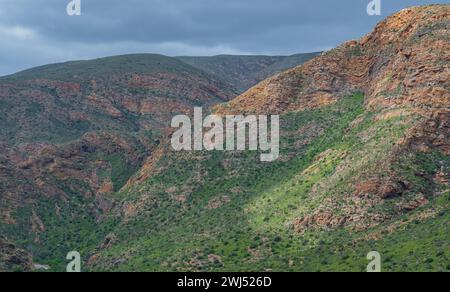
column 227, row 211
column 218, row 211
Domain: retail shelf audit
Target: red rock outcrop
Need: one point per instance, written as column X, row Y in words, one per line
column 402, row 68
column 404, row 61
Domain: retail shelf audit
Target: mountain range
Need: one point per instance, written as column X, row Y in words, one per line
column 86, row 163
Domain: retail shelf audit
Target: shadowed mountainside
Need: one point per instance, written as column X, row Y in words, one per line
column 72, row 134
column 245, row 71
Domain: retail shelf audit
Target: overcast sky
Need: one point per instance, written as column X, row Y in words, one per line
column 37, row 32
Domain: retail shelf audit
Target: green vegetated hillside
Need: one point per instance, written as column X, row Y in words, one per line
column 216, row 211
column 245, row 71
column 86, row 164
column 72, row 134
column 359, row 172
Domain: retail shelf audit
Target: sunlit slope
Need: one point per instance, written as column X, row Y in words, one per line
column 228, row 211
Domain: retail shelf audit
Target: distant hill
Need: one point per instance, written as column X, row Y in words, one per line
column 245, row 71
column 105, row 67
column 43, row 103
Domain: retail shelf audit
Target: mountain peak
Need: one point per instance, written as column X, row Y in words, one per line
column 394, row 65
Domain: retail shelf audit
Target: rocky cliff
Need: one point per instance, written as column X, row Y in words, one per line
column 402, row 69
column 404, row 61
column 364, row 161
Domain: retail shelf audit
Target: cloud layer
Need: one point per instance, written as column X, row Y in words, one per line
column 40, row 32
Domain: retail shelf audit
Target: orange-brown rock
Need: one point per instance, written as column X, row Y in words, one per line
column 403, row 62
column 383, row 188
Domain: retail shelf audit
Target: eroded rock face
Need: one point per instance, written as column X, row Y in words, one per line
column 434, row 133
column 385, row 185
column 78, row 134
column 402, row 62
column 68, row 138
column 13, row 258
column 58, row 172
column 384, row 188
column 402, row 68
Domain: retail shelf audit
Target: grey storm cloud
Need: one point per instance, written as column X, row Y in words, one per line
column 39, row 32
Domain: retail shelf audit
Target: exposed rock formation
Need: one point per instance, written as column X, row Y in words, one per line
column 402, row 68
column 404, row 61
column 13, row 258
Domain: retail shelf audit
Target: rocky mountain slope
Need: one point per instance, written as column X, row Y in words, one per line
column 364, row 162
column 245, row 71
column 364, row 166
column 72, row 134
column 402, row 62
column 402, row 69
